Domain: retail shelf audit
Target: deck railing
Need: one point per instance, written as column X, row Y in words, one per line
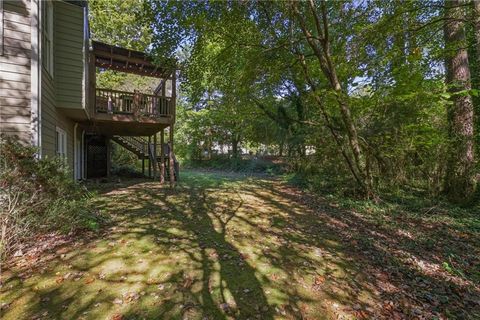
column 132, row 103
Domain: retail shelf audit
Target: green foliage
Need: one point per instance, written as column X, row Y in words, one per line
column 250, row 165
column 111, row 79
column 242, row 78
column 124, row 162
column 38, row 196
column 120, row 22
column 126, row 24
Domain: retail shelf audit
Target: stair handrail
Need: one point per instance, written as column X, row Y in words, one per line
column 139, row 145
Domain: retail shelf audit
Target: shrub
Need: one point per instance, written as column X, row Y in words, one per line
column 38, row 195
column 125, row 163
column 247, row 164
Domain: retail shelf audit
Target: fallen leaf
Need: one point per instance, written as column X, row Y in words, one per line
column 89, row 280
column 187, row 283
column 319, row 280
column 117, row 316
column 130, row 297
column 362, row 314
column 18, row 253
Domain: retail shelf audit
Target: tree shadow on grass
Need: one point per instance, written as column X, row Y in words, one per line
column 224, row 247
column 213, row 253
column 206, row 275
column 406, row 271
column 238, row 292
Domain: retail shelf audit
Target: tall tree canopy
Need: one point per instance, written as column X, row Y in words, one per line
column 124, row 23
column 367, row 87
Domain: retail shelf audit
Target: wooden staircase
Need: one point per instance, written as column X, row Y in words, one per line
column 145, row 150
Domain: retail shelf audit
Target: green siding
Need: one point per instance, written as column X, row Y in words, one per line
column 69, row 56
column 65, row 88
column 52, row 118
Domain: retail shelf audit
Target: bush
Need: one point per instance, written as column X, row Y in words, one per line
column 244, row 165
column 38, row 196
column 125, row 163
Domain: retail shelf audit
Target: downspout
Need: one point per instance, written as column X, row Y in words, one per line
column 36, row 77
column 75, row 152
column 84, row 157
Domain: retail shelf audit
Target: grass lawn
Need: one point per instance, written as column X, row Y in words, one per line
column 224, row 246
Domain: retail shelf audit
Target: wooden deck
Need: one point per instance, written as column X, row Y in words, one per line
column 117, row 112
column 114, row 102
column 120, row 115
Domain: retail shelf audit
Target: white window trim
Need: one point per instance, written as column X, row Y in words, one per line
column 47, row 36
column 60, row 143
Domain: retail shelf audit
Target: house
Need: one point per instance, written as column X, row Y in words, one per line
column 49, row 98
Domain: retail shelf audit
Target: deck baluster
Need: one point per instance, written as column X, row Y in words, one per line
column 134, row 103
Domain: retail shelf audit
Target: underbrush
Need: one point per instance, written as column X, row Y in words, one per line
column 245, row 165
column 414, row 221
column 412, row 199
column 126, row 171
column 125, row 163
column 38, row 195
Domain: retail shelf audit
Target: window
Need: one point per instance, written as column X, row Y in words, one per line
column 61, row 142
column 47, row 36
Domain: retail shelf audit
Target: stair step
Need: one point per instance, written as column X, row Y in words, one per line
column 140, row 147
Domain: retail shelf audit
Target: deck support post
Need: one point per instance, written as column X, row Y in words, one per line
column 149, row 160
column 155, row 163
column 143, row 166
column 109, row 155
column 162, row 156
column 171, row 165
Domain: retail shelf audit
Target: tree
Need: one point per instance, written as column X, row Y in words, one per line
column 362, row 84
column 476, row 24
column 320, row 44
column 460, row 178
column 474, row 45
column 124, row 23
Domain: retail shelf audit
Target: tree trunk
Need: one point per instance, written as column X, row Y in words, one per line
column 476, row 24
column 320, row 44
column 475, row 67
column 235, row 148
column 460, row 176
column 209, row 148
